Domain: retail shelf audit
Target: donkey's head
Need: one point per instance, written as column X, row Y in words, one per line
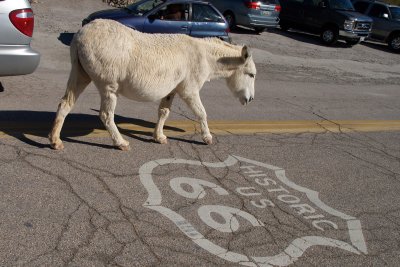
column 241, row 82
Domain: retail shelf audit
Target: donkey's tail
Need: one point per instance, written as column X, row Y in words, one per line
column 78, row 78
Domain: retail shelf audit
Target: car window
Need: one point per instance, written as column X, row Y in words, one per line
column 174, row 12
column 378, row 11
column 144, row 7
column 395, row 12
column 341, row 4
column 361, row 6
column 294, row 1
column 205, row 13
column 313, row 2
column 268, row 2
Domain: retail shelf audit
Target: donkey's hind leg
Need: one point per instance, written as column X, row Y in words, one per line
column 163, row 112
column 107, row 108
column 77, row 82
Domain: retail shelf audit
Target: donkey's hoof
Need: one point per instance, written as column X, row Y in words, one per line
column 208, row 140
column 57, row 146
column 124, row 147
column 162, row 140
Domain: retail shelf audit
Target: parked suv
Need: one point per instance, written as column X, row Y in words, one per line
column 332, row 19
column 16, row 28
column 386, row 27
column 254, row 14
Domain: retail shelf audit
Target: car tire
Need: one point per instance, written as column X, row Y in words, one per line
column 284, row 26
column 230, row 18
column 394, row 42
column 352, row 42
column 259, row 30
column 329, row 35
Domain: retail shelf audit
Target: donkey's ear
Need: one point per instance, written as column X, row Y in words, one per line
column 246, row 54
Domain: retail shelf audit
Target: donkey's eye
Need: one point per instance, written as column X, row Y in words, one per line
column 251, row 75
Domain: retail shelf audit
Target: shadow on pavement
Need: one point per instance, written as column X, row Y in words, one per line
column 66, row 38
column 22, row 124
column 378, row 46
column 310, row 38
column 292, row 34
column 307, row 38
column 243, row 30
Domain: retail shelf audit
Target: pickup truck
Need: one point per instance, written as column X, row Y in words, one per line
column 331, row 19
column 386, row 17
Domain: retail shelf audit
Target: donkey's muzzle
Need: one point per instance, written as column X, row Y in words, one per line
column 248, row 100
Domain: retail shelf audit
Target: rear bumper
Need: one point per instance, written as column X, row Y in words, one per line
column 18, row 60
column 258, row 21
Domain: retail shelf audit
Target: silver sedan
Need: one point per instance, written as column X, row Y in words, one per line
column 16, row 28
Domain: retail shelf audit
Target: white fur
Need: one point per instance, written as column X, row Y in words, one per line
column 150, row 67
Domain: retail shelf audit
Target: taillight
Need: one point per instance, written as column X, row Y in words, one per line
column 23, row 20
column 253, row 5
column 278, row 8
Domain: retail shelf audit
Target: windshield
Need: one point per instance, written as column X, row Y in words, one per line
column 395, row 12
column 140, row 8
column 341, row 5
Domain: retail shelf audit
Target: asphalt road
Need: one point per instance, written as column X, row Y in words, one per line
column 308, row 174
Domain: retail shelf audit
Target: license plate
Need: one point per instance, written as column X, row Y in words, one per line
column 266, row 13
column 362, row 38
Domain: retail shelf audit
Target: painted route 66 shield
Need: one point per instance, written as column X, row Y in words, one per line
column 246, row 202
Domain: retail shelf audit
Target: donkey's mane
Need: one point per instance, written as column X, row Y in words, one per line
column 220, row 48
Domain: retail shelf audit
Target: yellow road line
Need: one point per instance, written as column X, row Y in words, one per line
column 178, row 128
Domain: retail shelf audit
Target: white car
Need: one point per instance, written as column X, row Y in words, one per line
column 16, row 29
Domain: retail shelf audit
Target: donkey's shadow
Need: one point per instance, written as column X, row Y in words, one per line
column 23, row 124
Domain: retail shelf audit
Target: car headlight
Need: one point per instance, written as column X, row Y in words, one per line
column 349, row 25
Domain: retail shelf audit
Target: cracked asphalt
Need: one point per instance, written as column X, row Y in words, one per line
column 303, row 199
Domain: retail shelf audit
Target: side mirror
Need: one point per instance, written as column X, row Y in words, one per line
column 385, row 16
column 153, row 17
column 322, row 4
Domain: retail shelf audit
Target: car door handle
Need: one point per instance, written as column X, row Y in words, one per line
column 184, row 27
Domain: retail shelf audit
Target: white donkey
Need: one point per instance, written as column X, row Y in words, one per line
column 150, row 67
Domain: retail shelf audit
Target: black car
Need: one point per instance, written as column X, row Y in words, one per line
column 386, row 27
column 331, row 19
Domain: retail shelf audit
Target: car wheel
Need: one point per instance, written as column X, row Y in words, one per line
column 230, row 18
column 259, row 29
column 329, row 35
column 284, row 25
column 394, row 42
column 352, row 42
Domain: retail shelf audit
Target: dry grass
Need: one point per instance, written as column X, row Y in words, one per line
column 393, row 2
column 119, row 3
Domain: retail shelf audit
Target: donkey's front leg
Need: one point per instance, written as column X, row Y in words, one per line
column 107, row 108
column 194, row 103
column 163, row 111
